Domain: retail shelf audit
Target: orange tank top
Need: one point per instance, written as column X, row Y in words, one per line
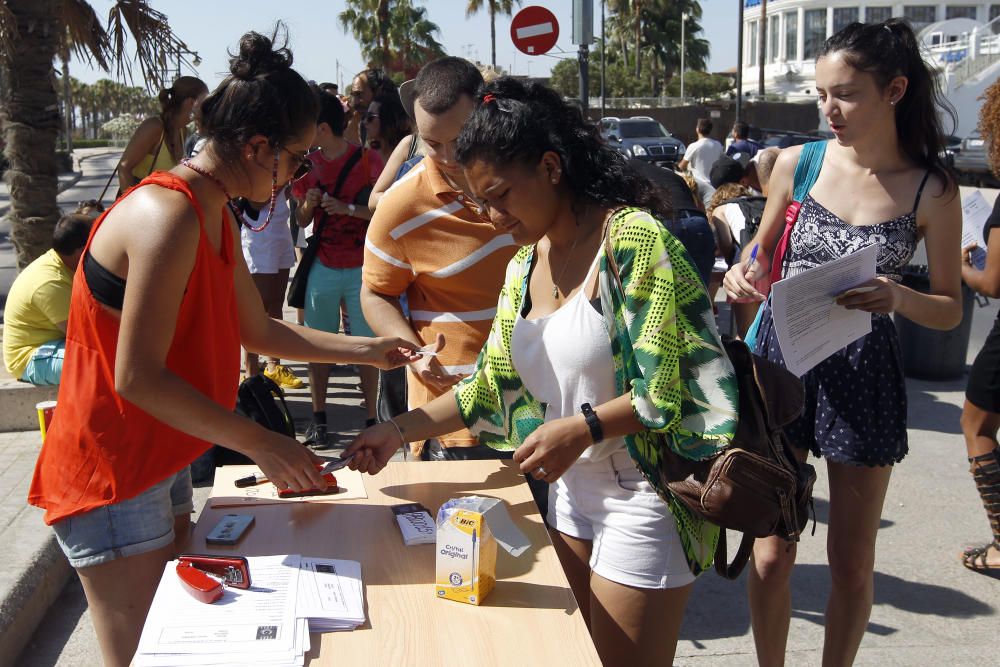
column 101, row 449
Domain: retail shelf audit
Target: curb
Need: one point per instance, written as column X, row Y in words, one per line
column 35, row 569
column 39, row 583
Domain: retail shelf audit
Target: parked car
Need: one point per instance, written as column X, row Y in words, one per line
column 969, row 161
column 643, row 138
column 786, row 138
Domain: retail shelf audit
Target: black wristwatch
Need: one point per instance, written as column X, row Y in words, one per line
column 596, row 432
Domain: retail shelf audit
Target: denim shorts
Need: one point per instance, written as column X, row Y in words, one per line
column 127, row 528
column 45, row 365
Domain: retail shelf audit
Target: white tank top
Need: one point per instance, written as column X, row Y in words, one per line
column 564, row 359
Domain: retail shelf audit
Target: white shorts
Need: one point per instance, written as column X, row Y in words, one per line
column 635, row 539
column 269, row 250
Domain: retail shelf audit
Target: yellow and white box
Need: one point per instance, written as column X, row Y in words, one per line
column 468, row 531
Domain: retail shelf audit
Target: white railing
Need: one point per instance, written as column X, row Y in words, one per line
column 969, row 55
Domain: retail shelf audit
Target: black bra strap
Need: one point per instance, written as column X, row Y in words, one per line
column 920, row 190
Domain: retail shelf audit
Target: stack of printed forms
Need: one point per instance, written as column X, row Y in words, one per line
column 268, row 624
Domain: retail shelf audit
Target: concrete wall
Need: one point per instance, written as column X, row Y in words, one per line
column 680, row 121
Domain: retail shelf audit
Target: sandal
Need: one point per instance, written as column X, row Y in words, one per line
column 974, row 558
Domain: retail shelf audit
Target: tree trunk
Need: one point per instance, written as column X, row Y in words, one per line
column 31, row 125
column 67, row 104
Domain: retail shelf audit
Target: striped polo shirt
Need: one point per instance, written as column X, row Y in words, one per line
column 429, row 241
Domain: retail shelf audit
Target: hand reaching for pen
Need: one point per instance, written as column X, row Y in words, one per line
column 286, row 462
column 371, row 450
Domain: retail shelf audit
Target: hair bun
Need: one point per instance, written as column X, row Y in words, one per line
column 258, row 56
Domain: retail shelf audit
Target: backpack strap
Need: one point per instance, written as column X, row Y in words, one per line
column 807, row 168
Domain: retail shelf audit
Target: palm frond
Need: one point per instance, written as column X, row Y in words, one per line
column 155, row 42
column 84, row 32
column 8, row 31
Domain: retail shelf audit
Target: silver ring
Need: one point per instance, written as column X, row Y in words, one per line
column 542, row 470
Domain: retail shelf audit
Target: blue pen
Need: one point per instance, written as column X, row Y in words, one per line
column 753, row 254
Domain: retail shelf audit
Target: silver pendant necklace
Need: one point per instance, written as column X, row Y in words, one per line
column 569, row 257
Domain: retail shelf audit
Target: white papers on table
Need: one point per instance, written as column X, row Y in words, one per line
column 268, row 624
column 330, row 596
column 809, row 324
column 257, row 625
column 975, row 212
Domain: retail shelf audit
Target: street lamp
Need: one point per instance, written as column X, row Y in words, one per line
column 684, row 18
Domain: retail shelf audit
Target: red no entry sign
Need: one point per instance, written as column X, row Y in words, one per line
column 534, row 30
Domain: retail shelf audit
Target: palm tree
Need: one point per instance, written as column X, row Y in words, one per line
column 31, row 33
column 393, row 34
column 502, row 7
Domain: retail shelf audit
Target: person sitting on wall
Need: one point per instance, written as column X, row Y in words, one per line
column 34, row 337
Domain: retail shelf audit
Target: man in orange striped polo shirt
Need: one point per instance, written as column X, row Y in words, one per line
column 428, row 240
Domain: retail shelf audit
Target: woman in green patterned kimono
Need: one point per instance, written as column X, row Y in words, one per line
column 576, row 377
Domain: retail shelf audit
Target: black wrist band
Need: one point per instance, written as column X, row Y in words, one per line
column 596, row 432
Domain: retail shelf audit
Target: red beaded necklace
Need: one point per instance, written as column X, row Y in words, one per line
column 229, row 198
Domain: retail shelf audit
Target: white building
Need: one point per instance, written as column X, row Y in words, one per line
column 959, row 36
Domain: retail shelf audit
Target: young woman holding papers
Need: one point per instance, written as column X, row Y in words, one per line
column 161, row 303
column 881, row 183
column 981, row 413
column 560, row 379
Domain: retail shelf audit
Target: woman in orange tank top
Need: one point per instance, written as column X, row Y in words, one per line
column 161, row 304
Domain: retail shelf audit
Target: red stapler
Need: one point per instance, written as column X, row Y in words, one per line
column 204, row 576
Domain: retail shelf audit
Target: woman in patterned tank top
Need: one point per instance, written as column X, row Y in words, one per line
column 881, row 183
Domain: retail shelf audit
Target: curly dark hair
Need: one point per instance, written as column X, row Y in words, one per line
column 989, row 125
column 517, row 123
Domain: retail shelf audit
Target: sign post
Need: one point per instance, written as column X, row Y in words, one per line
column 583, row 35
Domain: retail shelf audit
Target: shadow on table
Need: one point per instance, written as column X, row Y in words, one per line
column 718, row 608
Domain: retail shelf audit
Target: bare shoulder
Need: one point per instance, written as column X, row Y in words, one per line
column 940, row 197
column 153, row 221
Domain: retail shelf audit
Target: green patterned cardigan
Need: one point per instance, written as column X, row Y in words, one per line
column 663, row 334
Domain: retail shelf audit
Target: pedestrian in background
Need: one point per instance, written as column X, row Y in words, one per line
column 159, row 143
column 386, row 124
column 333, row 197
column 981, row 412
column 882, row 183
column 702, row 154
column 269, row 253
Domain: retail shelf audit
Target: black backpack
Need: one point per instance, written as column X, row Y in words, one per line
column 753, row 210
column 262, row 400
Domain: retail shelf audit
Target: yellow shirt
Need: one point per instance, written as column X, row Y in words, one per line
column 38, row 301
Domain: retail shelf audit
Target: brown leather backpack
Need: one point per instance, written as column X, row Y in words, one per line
column 756, row 485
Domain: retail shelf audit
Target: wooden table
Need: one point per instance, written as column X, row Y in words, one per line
column 530, row 618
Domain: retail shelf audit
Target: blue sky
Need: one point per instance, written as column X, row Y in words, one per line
column 322, row 49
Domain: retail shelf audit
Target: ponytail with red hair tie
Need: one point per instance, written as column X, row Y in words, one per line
column 489, row 97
